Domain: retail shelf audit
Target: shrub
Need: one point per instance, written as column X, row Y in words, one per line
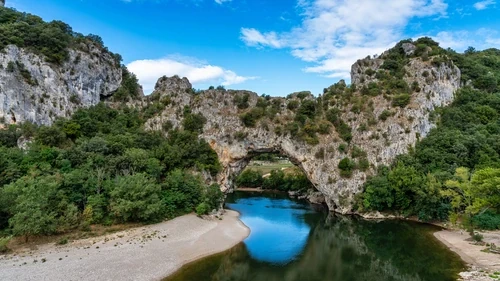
column 202, row 209
column 384, row 115
column 477, row 237
column 401, row 100
column 346, row 167
column 344, row 131
column 167, row 126
column 357, row 152
column 3, row 244
column 194, row 122
column 292, row 105
column 363, row 164
column 324, row 127
column 307, row 108
column 342, row 147
column 62, row 241
column 241, row 101
column 11, row 66
column 250, row 118
column 369, row 72
column 303, row 95
column 487, row 220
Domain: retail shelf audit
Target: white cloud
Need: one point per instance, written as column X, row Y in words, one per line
column 335, row 33
column 222, row 1
column 148, row 72
column 253, row 37
column 460, row 40
column 483, row 4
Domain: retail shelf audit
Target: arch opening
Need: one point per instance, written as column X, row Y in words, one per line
column 273, row 170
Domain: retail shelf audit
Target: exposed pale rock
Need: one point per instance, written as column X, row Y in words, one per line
column 224, row 130
column 34, row 90
column 409, row 48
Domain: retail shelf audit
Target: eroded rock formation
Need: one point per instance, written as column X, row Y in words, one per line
column 34, row 90
column 380, row 139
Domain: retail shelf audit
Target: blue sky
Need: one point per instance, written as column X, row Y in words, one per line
column 274, row 47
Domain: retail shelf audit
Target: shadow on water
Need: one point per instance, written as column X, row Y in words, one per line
column 291, row 241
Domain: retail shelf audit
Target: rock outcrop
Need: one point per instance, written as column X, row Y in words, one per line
column 2, row 3
column 34, row 90
column 381, row 141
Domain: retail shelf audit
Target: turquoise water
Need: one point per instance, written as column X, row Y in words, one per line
column 290, row 240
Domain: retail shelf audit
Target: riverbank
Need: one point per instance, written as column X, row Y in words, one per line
column 482, row 264
column 146, row 253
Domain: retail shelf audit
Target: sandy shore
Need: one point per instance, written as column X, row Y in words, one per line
column 481, row 263
column 146, row 253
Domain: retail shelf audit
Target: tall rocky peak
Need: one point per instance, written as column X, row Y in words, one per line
column 339, row 138
column 2, row 3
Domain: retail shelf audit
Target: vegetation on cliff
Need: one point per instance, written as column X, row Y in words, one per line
column 52, row 39
column 455, row 171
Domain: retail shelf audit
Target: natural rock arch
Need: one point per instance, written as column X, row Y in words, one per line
column 380, row 142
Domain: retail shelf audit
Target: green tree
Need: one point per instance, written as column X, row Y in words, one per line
column 34, row 201
column 486, row 189
column 135, row 198
column 249, row 178
column 459, row 191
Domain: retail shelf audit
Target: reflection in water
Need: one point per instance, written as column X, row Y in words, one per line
column 279, row 232
column 337, row 249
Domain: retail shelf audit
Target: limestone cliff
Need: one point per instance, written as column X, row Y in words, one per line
column 34, row 90
column 380, row 129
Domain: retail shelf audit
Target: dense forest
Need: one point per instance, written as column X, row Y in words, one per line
column 453, row 173
column 101, row 166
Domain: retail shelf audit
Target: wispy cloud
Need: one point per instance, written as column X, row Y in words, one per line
column 148, row 71
column 335, row 33
column 482, row 5
column 220, row 2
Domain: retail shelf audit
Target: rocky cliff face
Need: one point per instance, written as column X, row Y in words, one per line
column 381, row 141
column 33, row 90
column 2, row 3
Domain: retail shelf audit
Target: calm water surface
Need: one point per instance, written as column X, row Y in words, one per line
column 292, row 241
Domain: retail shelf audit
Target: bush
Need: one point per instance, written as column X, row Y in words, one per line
column 346, row 167
column 401, row 100
column 487, row 220
column 202, row 209
column 62, row 241
column 342, row 147
column 384, row 115
column 194, row 122
column 241, row 101
column 293, row 104
column 477, row 237
column 250, row 118
column 3, row 244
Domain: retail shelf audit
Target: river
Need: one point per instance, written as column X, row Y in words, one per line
column 291, row 240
